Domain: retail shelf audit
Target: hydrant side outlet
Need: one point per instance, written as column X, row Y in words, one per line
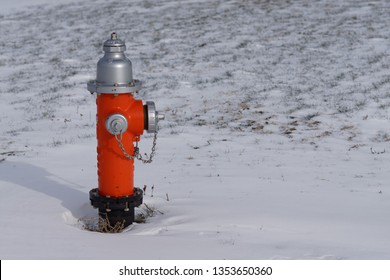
column 121, row 120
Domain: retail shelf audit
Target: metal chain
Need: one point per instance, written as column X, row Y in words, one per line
column 137, row 155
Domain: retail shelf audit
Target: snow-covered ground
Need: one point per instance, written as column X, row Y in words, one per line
column 275, row 143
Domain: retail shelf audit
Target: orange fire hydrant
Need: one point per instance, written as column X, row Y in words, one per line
column 121, row 120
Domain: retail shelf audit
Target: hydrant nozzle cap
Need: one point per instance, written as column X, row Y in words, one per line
column 114, row 44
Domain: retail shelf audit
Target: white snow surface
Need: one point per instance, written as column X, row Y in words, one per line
column 12, row 6
column 275, row 143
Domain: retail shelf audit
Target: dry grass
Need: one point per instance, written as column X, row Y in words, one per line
column 99, row 224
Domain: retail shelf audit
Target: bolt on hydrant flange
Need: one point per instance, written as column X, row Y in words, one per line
column 121, row 120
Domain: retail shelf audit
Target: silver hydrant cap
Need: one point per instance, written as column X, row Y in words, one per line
column 114, row 73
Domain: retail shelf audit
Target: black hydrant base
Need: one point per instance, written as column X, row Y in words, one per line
column 116, row 210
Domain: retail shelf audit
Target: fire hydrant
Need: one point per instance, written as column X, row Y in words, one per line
column 121, row 120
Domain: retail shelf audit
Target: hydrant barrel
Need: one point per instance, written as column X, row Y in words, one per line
column 115, row 170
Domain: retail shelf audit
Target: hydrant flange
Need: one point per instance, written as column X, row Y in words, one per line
column 116, row 211
column 94, row 86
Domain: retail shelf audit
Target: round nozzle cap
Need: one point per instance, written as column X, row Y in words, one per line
column 152, row 116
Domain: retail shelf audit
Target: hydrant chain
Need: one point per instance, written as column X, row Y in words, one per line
column 152, row 153
column 137, row 155
column 126, row 154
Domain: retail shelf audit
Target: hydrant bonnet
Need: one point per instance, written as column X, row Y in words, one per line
column 114, row 70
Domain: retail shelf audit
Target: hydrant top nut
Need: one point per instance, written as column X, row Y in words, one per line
column 114, row 44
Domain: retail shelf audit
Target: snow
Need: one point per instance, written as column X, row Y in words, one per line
column 11, row 6
column 275, row 143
